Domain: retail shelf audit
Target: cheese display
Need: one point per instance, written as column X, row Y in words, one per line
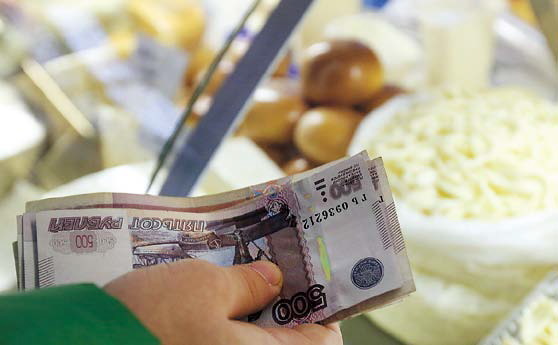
column 484, row 155
column 473, row 173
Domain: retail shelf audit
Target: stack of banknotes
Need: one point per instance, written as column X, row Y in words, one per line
column 333, row 231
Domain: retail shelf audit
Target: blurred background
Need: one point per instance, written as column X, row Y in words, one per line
column 458, row 96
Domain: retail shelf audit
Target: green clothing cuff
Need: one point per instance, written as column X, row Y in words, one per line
column 71, row 314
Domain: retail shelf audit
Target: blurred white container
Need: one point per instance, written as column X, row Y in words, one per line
column 320, row 14
column 232, row 167
column 458, row 41
column 311, row 30
column 21, row 138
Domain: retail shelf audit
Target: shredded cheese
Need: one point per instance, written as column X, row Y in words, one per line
column 539, row 323
column 488, row 154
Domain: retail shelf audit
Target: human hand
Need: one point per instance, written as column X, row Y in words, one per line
column 194, row 302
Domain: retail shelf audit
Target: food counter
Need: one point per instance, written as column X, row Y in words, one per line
column 458, row 97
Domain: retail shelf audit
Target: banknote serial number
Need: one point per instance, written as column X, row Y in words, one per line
column 324, row 215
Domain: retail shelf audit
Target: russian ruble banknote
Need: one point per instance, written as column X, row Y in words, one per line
column 333, row 231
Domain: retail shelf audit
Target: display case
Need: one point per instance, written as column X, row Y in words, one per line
column 459, row 97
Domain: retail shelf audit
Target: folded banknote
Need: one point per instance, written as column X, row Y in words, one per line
column 333, row 231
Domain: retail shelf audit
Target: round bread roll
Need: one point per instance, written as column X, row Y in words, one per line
column 275, row 109
column 340, row 72
column 296, row 166
column 323, row 134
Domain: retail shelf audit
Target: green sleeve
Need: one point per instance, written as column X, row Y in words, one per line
column 71, row 314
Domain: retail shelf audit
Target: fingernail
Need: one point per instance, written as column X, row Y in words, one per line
column 268, row 270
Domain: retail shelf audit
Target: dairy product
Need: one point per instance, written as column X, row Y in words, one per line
column 321, row 13
column 484, row 155
column 534, row 322
column 493, row 244
column 539, row 324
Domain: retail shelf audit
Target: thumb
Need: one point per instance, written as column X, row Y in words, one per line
column 251, row 287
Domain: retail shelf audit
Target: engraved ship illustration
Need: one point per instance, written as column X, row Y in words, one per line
column 219, row 238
